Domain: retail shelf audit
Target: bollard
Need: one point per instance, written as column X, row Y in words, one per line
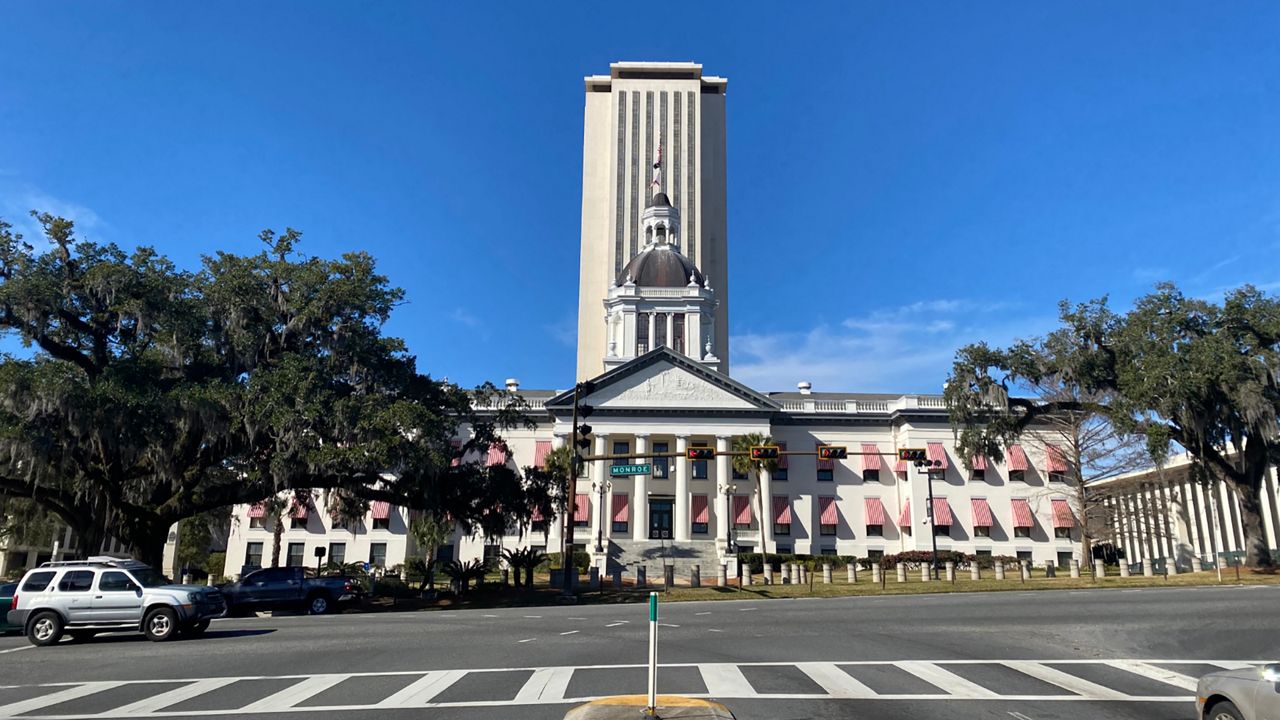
column 1197, row 565
column 617, row 578
column 876, row 573
column 641, row 576
column 209, row 581
column 1026, row 570
column 668, row 576
column 695, row 576
column 826, row 573
column 1148, row 568
column 768, row 573
column 975, row 572
column 795, row 573
column 593, row 577
column 1125, row 570
column 574, row 579
column 1171, row 566
column 804, row 575
column 902, row 573
column 1099, row 569
column 785, row 569
column 852, row 571
column 949, row 567
column 505, row 575
column 1050, row 569
column 746, row 574
column 1000, row 571
column 926, row 573
column 722, row 579
column 1075, row 568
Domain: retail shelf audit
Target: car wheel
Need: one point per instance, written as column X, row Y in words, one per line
column 196, row 629
column 161, row 624
column 81, row 635
column 318, row 605
column 1223, row 710
column 44, row 629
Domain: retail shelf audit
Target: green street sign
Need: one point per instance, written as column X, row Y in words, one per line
column 617, row 470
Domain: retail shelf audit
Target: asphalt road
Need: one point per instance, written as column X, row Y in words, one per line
column 1040, row 655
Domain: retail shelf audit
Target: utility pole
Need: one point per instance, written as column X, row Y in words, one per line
column 579, row 441
column 933, row 535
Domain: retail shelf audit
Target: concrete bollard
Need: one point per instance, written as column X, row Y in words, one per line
column 950, row 568
column 722, row 579
column 826, row 574
column 1075, row 568
column 768, row 574
column 668, row 576
column 999, row 571
column 1050, row 569
column 1099, row 569
column 695, row 576
column 1125, row 570
column 785, row 570
column 504, row 576
column 1197, row 565
column 875, row 573
column 1148, row 568
column 795, row 573
column 902, row 573
column 975, row 572
column 617, row 578
column 804, row 575
column 1026, row 569
column 186, row 579
column 746, row 574
column 209, row 581
column 1171, row 566
column 926, row 573
column 593, row 577
column 852, row 571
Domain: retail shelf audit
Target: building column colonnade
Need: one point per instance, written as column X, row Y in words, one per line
column 681, row 520
column 723, row 480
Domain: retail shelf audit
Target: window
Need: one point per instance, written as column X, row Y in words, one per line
column 784, row 550
column 870, row 476
column 294, row 558
column 1064, row 559
column 1017, row 476
column 297, row 523
column 38, row 581
column 779, row 474
column 828, row 550
column 701, row 528
column 660, row 464
column 1057, row 477
column 382, row 523
column 340, row 523
column 253, row 554
column 444, row 553
column 621, row 448
column 659, row 330
column 738, row 474
column 699, row 466
column 942, row 530
column 76, row 581
column 981, row 531
column 378, row 554
column 978, row 476
column 114, row 581
column 1022, row 532
column 875, row 555
column 875, row 531
column 619, row 527
column 783, row 529
column 677, row 333
column 1062, row 533
column 642, row 333
column 1024, row 555
column 338, row 553
column 983, row 553
column 255, row 523
column 826, row 474
column 827, row 529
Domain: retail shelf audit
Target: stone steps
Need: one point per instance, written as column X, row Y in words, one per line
column 682, row 555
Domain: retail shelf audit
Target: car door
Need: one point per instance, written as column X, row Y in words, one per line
column 269, row 588
column 117, row 599
column 74, row 595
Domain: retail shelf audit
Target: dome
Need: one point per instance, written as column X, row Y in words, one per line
column 660, row 200
column 661, row 266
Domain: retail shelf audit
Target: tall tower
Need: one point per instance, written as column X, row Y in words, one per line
column 636, row 112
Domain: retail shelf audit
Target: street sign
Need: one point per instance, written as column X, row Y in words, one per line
column 618, row 470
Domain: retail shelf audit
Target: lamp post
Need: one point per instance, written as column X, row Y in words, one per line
column 933, row 535
column 728, row 490
column 601, row 486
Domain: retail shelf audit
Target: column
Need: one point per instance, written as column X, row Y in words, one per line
column 671, row 327
column 640, row 500
column 723, row 479
column 1268, row 498
column 683, row 470
column 599, row 474
column 653, row 337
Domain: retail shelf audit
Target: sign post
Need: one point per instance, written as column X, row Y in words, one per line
column 652, row 709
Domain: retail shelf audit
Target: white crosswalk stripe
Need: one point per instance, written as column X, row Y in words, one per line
column 551, row 685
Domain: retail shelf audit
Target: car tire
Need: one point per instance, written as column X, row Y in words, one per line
column 1223, row 710
column 160, row 624
column 196, row 629
column 44, row 629
column 81, row 635
column 319, row 604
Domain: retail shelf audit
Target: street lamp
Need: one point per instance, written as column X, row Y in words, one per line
column 728, row 490
column 928, row 468
column 601, row 486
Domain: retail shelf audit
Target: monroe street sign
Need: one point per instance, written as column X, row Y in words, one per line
column 617, row 470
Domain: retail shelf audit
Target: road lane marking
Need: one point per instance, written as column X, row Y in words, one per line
column 1064, row 680
column 173, row 697
column 569, row 632
column 945, row 679
column 667, row 625
column 526, row 640
column 534, row 617
column 747, row 609
column 725, row 680
column 614, row 625
column 1159, row 674
column 420, row 692
column 13, row 650
column 294, row 694
column 714, row 630
column 703, row 613
column 545, row 685
column 836, row 682
column 71, row 693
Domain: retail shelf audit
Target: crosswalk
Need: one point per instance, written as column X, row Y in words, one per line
column 1116, row 680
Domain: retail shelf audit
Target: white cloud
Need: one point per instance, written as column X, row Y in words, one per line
column 464, row 317
column 903, row 349
column 16, row 208
column 564, row 330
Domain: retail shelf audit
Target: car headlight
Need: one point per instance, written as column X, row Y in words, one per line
column 193, row 598
column 1271, row 673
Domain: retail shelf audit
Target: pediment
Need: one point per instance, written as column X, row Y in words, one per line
column 662, row 385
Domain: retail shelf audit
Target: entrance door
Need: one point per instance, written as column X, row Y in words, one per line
column 660, row 512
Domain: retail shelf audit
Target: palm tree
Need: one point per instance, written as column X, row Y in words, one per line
column 745, row 465
column 275, row 507
column 558, row 465
column 430, row 531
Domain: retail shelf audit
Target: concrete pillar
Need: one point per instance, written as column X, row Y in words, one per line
column 1050, row 569
column 593, row 577
column 617, row 578
column 640, row 499
column 1197, row 565
column 826, row 573
column 641, row 576
column 975, row 572
column 852, row 571
column 1124, row 569
column 668, row 576
column 683, row 470
column 926, row 572
column 695, row 576
column 1099, row 569
column 722, row 580
column 902, row 573
column 1026, row 569
column 1148, row 567
column 1075, row 568
column 723, row 479
column 875, row 573
column 768, row 573
column 746, row 574
column 999, row 571
column 950, row 568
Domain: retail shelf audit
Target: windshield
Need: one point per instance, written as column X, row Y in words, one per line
column 147, row 577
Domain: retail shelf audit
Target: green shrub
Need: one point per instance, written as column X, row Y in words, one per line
column 581, row 560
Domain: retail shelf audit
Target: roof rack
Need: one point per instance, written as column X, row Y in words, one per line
column 98, row 560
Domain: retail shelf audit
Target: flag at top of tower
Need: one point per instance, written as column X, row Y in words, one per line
column 656, row 185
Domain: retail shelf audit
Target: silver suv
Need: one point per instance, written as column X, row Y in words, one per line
column 102, row 594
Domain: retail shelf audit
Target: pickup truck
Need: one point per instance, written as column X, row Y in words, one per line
column 287, row 588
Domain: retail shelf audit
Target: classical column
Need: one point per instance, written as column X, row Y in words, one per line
column 600, row 474
column 682, row 490
column 640, row 500
column 723, row 480
column 653, row 337
column 671, row 322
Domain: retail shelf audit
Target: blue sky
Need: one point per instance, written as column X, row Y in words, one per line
column 904, row 178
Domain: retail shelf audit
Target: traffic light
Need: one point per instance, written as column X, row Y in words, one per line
column 912, row 454
column 700, row 453
column 764, row 452
column 832, row 452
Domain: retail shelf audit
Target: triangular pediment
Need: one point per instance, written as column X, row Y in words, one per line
column 663, row 379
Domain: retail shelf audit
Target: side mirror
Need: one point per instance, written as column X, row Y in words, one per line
column 1271, row 672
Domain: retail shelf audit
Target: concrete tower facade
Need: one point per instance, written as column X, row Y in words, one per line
column 636, row 113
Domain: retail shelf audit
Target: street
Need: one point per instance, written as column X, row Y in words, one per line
column 1041, row 655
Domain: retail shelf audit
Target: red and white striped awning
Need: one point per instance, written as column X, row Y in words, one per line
column 299, row 511
column 1022, row 517
column 1018, row 458
column 621, row 512
column 781, row 509
column 1062, row 515
column 937, row 454
column 982, row 513
column 381, row 509
column 824, row 464
column 497, row 454
column 900, row 467
column 701, row 512
column 536, row 516
column 875, row 511
column 742, row 509
column 942, row 512
column 782, row 459
column 581, row 508
column 870, row 457
column 829, row 511
column 904, row 517
column 541, row 450
column 257, row 510
column 1054, row 459
column 979, row 462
